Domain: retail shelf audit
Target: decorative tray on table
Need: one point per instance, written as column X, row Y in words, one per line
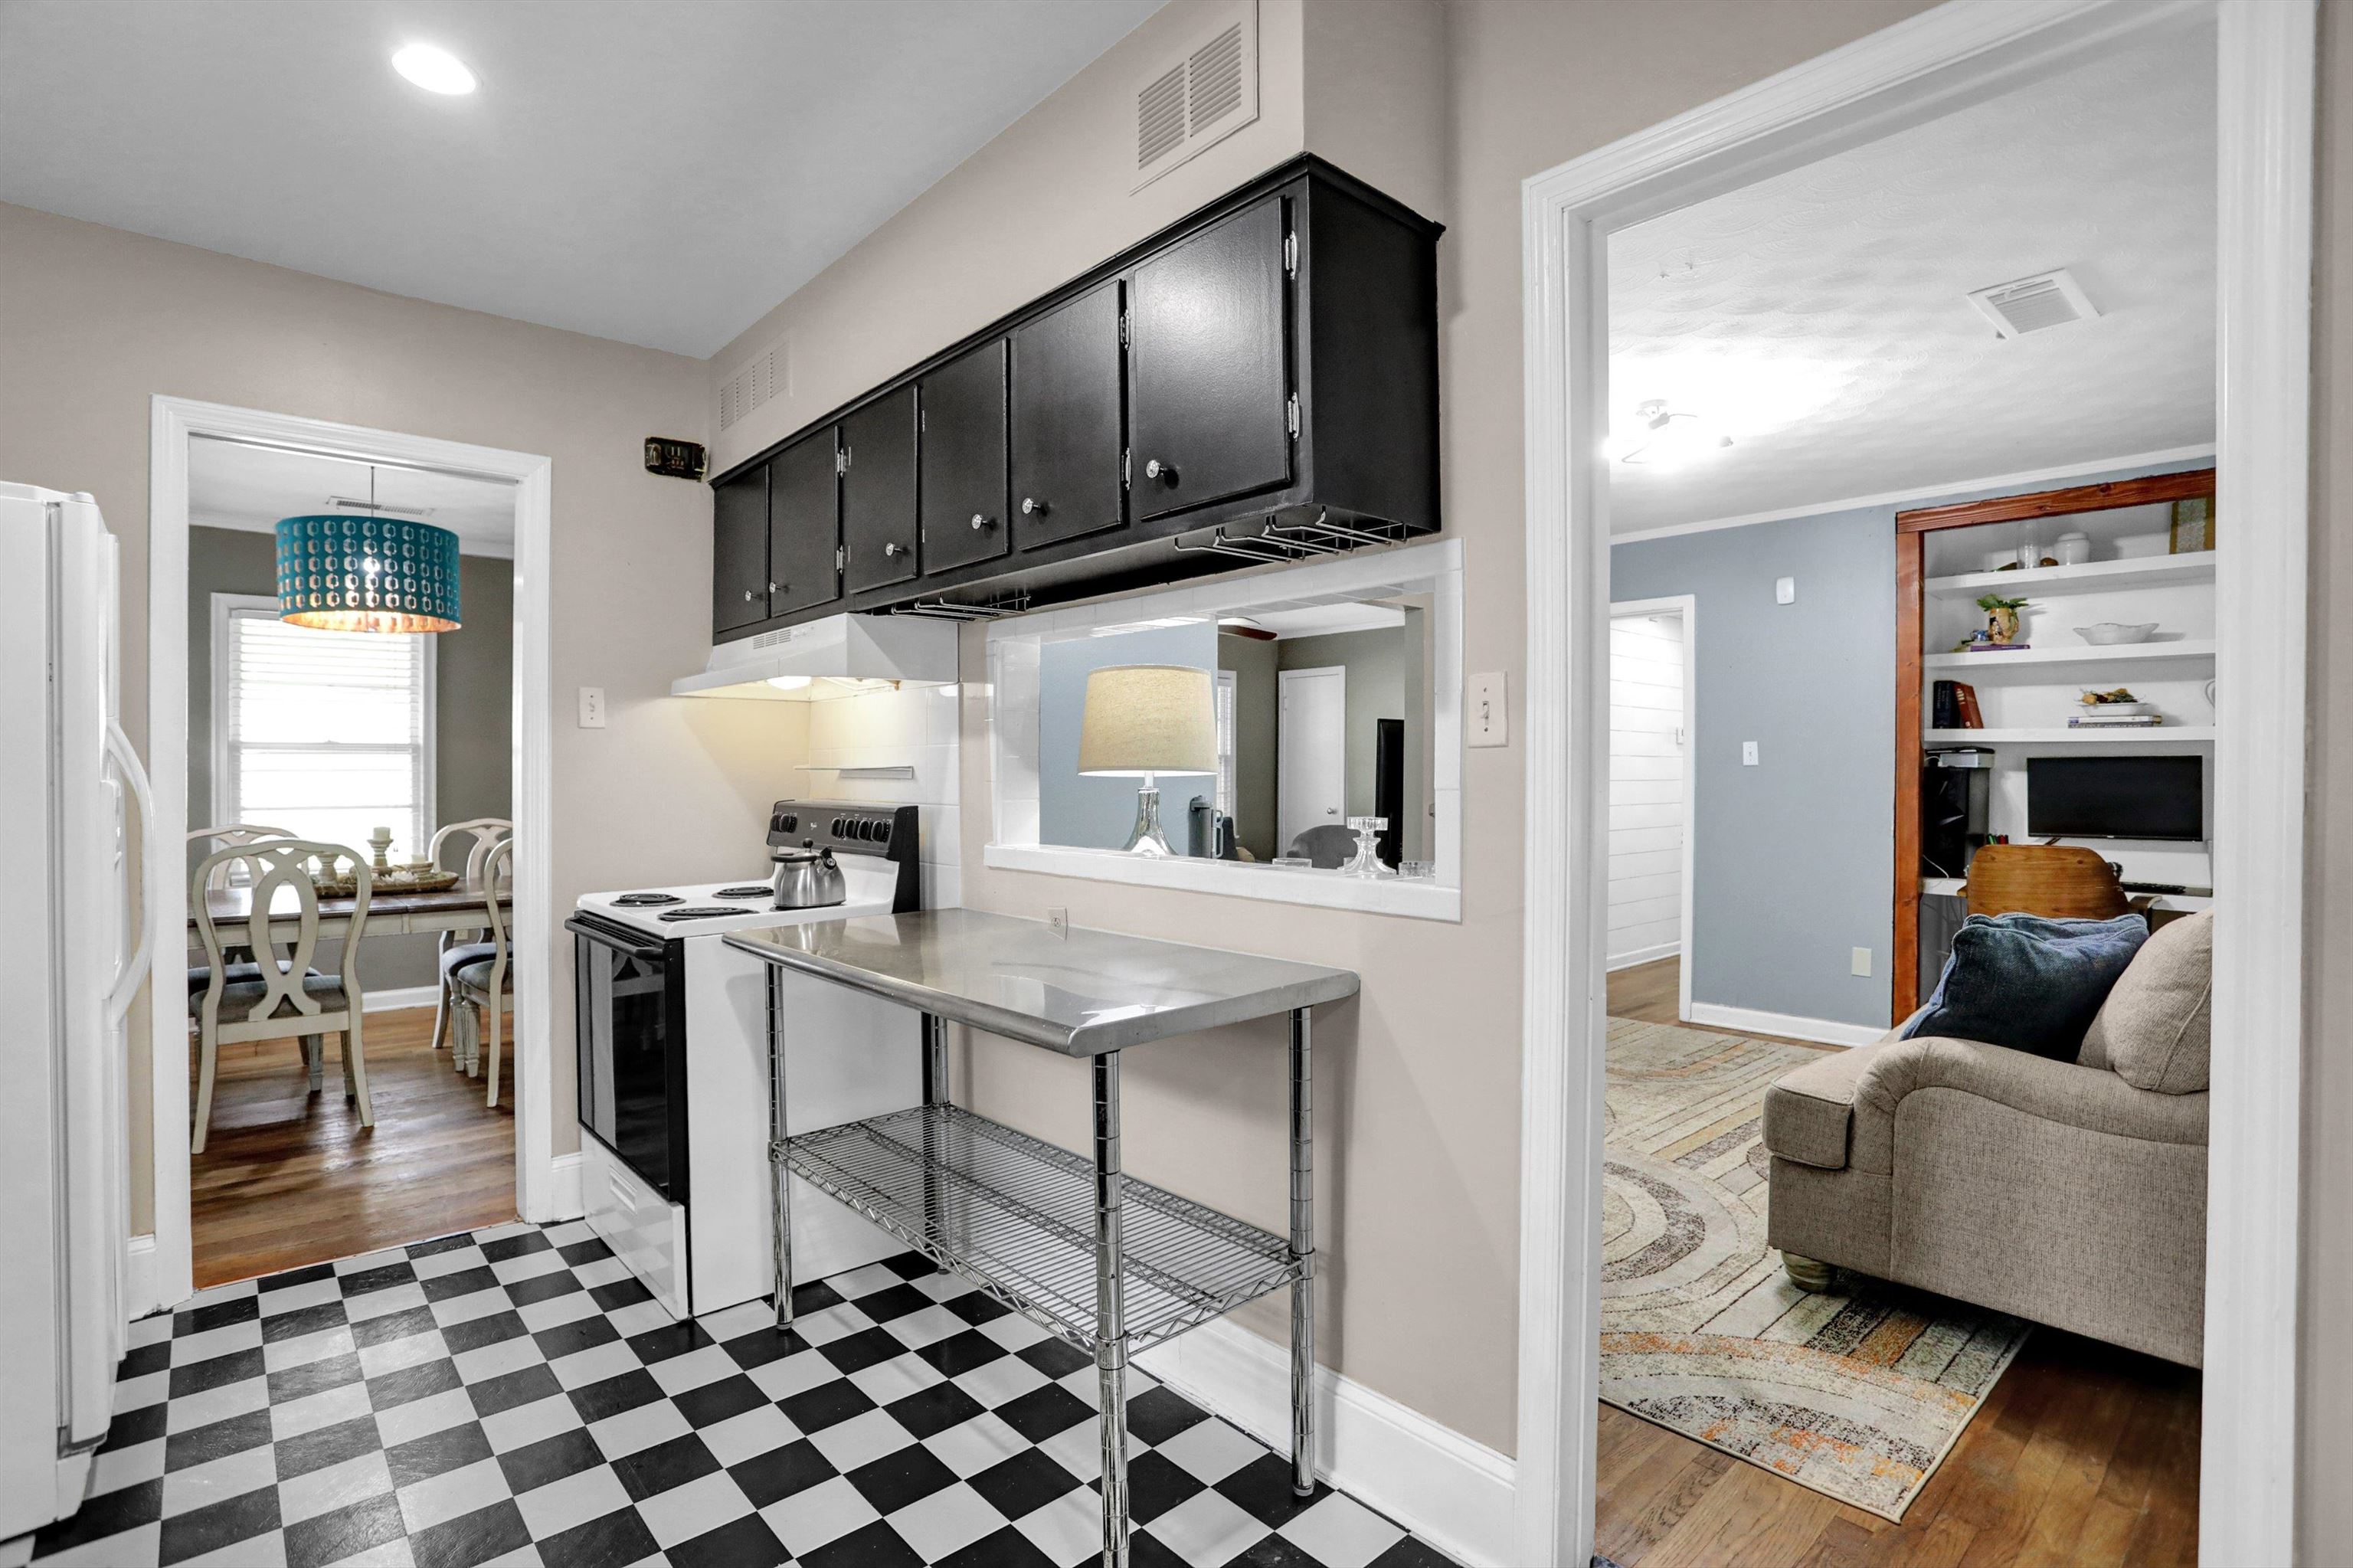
column 337, row 882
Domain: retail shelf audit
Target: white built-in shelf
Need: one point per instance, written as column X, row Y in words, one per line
column 1951, row 886
column 2139, row 571
column 2061, row 734
column 2069, row 661
column 862, row 770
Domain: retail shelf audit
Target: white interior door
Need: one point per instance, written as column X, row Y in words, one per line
column 1312, row 774
column 1648, row 787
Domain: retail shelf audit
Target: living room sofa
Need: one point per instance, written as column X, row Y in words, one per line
column 2070, row 1192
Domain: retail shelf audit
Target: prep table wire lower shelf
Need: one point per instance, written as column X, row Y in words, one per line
column 1017, row 1217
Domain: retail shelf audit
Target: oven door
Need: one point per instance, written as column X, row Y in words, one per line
column 630, row 1020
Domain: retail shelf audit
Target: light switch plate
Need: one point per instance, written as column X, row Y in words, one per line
column 1489, row 724
column 592, row 708
column 1748, row 754
column 1057, row 920
column 1861, row 965
column 1785, row 590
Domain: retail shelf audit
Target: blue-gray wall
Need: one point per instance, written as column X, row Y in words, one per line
column 1791, row 863
column 1099, row 813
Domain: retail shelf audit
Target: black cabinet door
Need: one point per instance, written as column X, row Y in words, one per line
column 739, row 551
column 1066, row 422
column 803, row 525
column 878, row 492
column 1209, row 367
column 962, row 425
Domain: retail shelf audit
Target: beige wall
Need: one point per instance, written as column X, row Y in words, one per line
column 2325, row 1444
column 93, row 322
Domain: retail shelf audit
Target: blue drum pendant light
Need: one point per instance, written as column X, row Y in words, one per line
column 341, row 573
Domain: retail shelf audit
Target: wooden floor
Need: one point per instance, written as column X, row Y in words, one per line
column 2083, row 1456
column 288, row 1178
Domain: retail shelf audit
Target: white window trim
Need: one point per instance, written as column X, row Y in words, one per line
column 225, row 609
column 1434, row 567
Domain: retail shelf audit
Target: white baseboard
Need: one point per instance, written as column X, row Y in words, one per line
column 139, row 1278
column 564, row 1188
column 1645, row 956
column 406, row 996
column 1449, row 1490
column 1826, row 1030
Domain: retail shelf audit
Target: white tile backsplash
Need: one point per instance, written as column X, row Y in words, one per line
column 914, row 728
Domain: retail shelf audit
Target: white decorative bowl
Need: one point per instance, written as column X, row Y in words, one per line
column 2110, row 632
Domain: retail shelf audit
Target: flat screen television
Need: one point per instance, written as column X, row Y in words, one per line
column 2116, row 797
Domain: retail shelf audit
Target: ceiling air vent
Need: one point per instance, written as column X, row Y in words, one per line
column 759, row 378
column 1200, row 97
column 2033, row 304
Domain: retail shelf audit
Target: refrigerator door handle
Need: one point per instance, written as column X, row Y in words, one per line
column 134, row 970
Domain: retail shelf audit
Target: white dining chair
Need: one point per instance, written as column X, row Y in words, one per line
column 484, row 988
column 279, row 996
column 459, row 948
column 231, row 872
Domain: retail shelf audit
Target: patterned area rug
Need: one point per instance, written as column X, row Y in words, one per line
column 1857, row 1393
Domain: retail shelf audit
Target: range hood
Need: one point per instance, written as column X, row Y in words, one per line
column 839, row 656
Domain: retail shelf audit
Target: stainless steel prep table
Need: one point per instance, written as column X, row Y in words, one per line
column 1104, row 1261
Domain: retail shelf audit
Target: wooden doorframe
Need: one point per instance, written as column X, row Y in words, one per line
column 1912, row 530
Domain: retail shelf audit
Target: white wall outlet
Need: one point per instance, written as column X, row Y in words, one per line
column 1785, row 590
column 592, row 708
column 1748, row 754
column 1490, row 724
column 1057, row 920
column 1862, row 964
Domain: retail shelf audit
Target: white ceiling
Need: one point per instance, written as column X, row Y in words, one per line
column 1326, row 620
column 1819, row 317
column 655, row 173
column 231, row 485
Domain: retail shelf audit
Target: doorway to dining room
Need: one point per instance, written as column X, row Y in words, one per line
column 350, row 1061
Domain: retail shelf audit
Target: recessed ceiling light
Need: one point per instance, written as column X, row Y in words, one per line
column 434, row 70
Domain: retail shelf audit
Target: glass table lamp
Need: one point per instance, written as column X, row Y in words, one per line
column 1144, row 720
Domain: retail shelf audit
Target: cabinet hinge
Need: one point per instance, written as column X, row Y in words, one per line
column 1290, row 415
column 1124, row 328
column 1290, row 254
column 1124, row 455
column 841, row 460
column 840, row 556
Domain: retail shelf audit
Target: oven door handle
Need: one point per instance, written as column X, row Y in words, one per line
column 605, row 938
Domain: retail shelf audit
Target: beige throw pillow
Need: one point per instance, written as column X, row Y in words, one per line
column 2155, row 1029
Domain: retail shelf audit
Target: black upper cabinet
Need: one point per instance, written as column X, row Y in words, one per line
column 1208, row 367
column 804, row 526
column 1066, row 423
column 1257, row 381
column 739, row 551
column 878, row 492
column 961, row 433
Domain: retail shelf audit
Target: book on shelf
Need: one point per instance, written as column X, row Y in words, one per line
column 2127, row 721
column 1953, row 705
column 1998, row 647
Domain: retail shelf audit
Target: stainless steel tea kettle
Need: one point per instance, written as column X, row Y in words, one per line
column 806, row 878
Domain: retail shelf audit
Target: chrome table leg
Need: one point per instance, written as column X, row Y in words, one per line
column 1110, row 1327
column 781, row 1242
column 935, row 1093
column 1303, row 1252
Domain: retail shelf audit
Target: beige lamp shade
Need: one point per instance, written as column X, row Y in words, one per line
column 1148, row 718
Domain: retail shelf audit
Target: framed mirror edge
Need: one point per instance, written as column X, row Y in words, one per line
column 1014, row 644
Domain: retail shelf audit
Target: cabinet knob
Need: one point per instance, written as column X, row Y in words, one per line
column 894, row 548
column 774, row 589
column 1155, row 469
column 1032, row 508
column 978, row 522
column 747, row 595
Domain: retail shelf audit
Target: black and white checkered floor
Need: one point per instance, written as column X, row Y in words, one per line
column 514, row 1396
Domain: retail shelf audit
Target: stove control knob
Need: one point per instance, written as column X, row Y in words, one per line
column 836, row 827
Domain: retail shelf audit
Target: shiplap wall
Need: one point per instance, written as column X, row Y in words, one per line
column 1646, row 788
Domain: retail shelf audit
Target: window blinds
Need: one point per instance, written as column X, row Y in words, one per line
column 328, row 733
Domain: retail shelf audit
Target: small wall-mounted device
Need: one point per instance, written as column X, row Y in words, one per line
column 674, row 458
column 1785, row 590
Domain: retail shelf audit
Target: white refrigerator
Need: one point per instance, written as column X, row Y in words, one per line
column 73, row 954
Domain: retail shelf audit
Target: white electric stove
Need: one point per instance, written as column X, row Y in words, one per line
column 674, row 1064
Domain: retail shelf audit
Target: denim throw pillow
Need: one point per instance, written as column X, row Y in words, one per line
column 2027, row 982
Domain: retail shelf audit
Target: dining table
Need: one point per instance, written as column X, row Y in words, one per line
column 388, row 914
